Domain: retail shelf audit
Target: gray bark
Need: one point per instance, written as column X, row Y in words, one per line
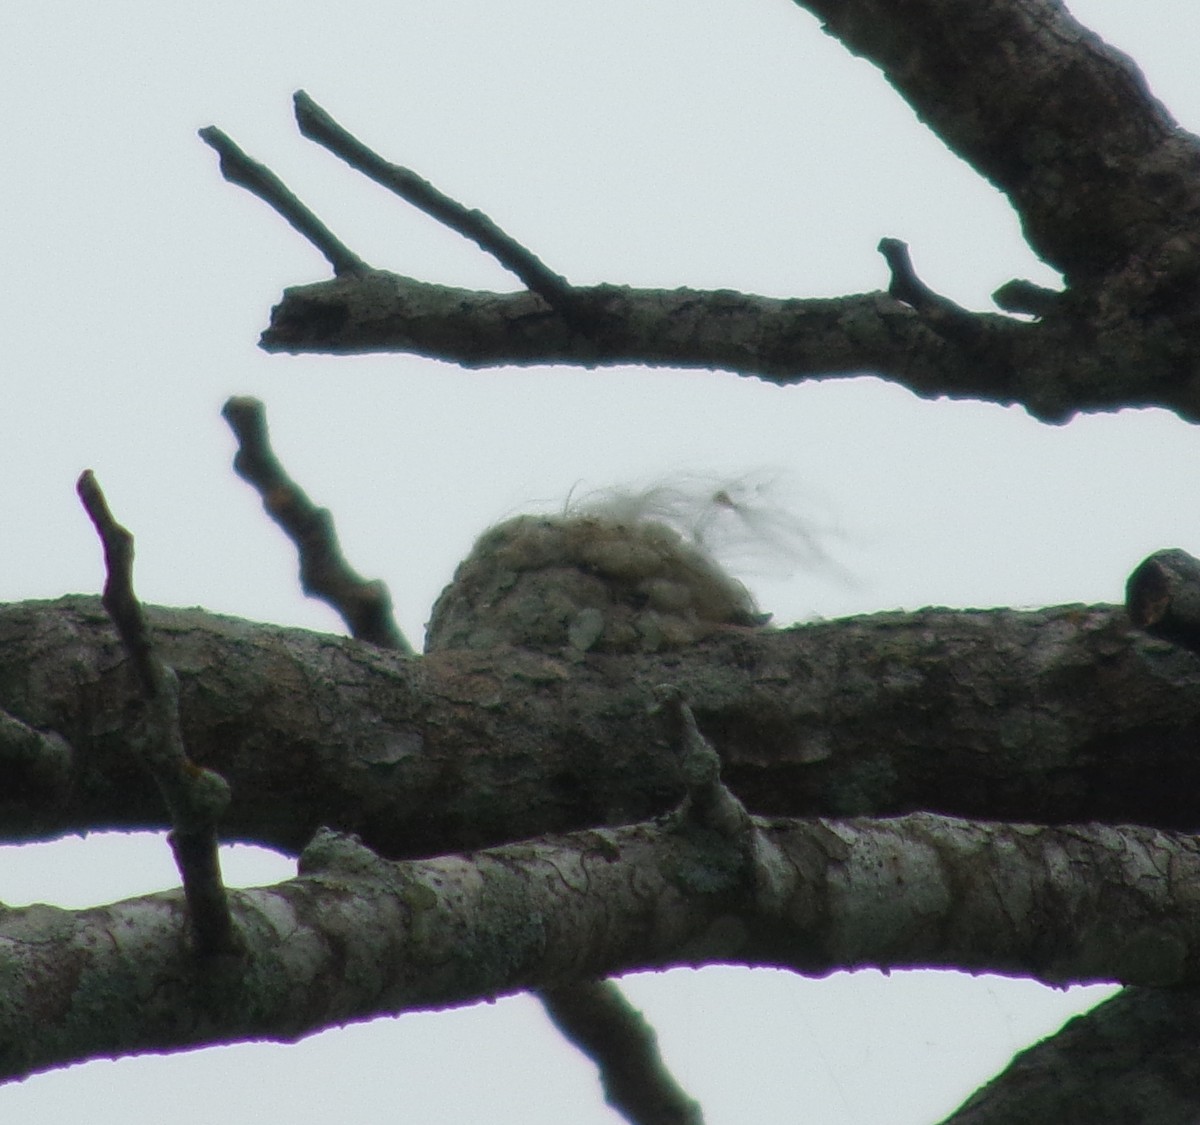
column 1053, row 716
column 1050, row 718
column 1106, row 184
column 355, row 936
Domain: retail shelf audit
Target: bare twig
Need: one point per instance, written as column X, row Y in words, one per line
column 709, row 802
column 600, row 1021
column 196, row 798
column 258, row 179
column 365, row 606
column 119, row 599
column 1022, row 296
column 594, row 1015
column 940, row 313
column 316, row 124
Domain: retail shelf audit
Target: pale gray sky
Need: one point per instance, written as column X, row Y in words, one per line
column 707, row 143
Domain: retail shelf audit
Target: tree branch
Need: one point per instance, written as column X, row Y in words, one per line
column 365, row 606
column 195, row 798
column 37, row 765
column 1143, row 361
column 1061, row 715
column 356, row 936
column 1163, row 597
column 1045, row 110
column 596, row 1018
column 944, row 317
column 258, row 179
column 1133, row 1052
column 316, row 124
column 1130, row 251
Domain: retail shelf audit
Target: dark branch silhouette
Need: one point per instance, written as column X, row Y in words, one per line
column 195, row 798
column 365, row 606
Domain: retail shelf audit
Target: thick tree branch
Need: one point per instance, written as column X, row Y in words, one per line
column 1053, row 716
column 1133, row 1058
column 1140, row 361
column 1106, row 184
column 1058, row 120
column 355, row 936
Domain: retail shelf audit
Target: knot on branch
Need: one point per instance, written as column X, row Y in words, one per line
column 1162, row 597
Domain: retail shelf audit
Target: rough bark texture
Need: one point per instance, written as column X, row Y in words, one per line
column 1051, row 718
column 1106, row 184
column 1067, row 714
column 355, row 936
column 1057, row 119
column 1133, row 1058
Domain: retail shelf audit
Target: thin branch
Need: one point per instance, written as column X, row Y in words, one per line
column 594, row 1015
column 709, row 803
column 316, row 124
column 119, row 599
column 365, row 606
column 196, row 798
column 1023, row 296
column 597, row 1018
column 259, row 180
column 940, row 313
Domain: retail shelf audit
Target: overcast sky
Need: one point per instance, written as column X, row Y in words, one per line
column 711, row 143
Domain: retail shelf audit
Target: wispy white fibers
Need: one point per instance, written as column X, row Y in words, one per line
column 743, row 523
